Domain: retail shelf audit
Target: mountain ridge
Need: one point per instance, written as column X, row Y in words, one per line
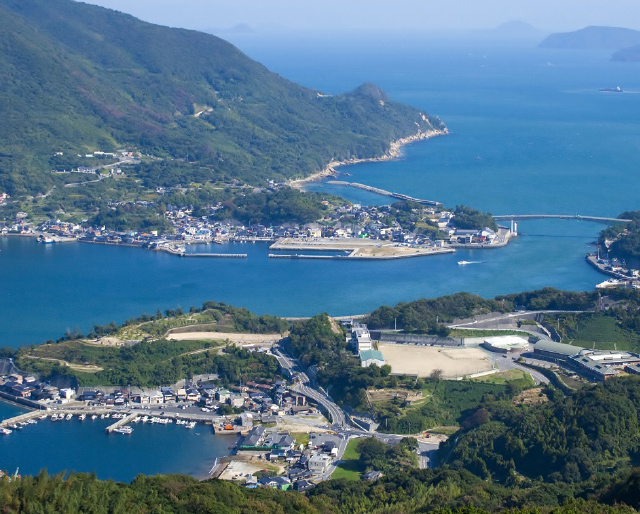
column 79, row 78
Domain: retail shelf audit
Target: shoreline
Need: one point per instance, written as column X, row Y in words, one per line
column 394, row 152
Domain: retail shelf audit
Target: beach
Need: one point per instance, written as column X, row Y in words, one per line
column 393, row 153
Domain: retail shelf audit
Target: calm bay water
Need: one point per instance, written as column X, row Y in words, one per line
column 84, row 446
column 530, row 134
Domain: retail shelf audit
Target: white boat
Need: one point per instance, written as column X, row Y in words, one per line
column 82, row 417
column 190, row 425
column 69, row 417
column 54, row 417
column 94, row 416
column 31, row 421
column 464, row 263
column 612, row 282
column 124, row 430
column 101, row 416
column 5, row 431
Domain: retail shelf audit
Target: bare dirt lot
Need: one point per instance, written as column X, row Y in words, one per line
column 223, row 336
column 423, row 360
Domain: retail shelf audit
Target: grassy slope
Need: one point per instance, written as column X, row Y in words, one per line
column 350, row 467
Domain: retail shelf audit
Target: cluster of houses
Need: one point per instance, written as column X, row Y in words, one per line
column 360, row 342
column 252, row 401
column 304, row 464
column 27, row 389
column 373, row 222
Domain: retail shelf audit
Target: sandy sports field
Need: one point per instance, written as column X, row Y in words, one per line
column 223, row 336
column 423, row 360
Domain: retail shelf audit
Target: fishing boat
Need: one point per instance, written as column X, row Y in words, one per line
column 124, row 430
column 5, row 431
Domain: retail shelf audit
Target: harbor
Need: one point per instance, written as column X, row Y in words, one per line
column 151, row 448
column 622, row 276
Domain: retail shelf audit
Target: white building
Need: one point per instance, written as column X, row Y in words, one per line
column 369, row 357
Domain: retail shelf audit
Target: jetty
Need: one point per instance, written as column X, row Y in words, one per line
column 122, row 422
column 384, row 192
column 181, row 252
column 21, row 418
column 221, row 255
column 354, row 248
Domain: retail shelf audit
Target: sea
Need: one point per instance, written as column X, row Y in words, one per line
column 530, row 134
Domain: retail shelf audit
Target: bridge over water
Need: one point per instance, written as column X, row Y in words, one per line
column 595, row 219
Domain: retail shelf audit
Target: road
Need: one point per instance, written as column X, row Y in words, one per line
column 507, row 364
column 304, row 385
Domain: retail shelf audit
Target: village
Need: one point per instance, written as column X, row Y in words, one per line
column 347, row 227
column 280, row 438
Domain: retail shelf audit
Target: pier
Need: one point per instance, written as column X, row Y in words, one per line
column 180, row 252
column 21, row 418
column 595, row 219
column 383, row 192
column 216, row 255
column 122, row 422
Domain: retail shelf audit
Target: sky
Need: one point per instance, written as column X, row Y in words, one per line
column 547, row 15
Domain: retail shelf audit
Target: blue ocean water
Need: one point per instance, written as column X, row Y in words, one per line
column 530, row 134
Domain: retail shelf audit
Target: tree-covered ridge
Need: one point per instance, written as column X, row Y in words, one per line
column 623, row 240
column 569, row 439
column 472, row 219
column 155, row 361
column 79, row 78
column 406, row 492
column 427, row 315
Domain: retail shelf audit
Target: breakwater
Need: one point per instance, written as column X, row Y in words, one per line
column 384, row 192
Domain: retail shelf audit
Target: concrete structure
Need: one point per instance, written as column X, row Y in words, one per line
column 369, row 357
column 505, row 344
column 319, row 463
column 360, row 339
column 595, row 365
column 555, row 352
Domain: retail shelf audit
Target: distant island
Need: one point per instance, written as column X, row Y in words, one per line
column 625, row 42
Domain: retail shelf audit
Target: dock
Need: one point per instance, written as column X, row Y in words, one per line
column 222, row 255
column 122, row 422
column 383, row 192
column 22, row 417
column 180, row 252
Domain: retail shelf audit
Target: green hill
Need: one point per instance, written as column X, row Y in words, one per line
column 78, row 78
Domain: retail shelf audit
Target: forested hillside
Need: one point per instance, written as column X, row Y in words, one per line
column 77, row 78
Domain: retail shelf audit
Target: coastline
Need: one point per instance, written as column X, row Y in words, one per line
column 395, row 151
